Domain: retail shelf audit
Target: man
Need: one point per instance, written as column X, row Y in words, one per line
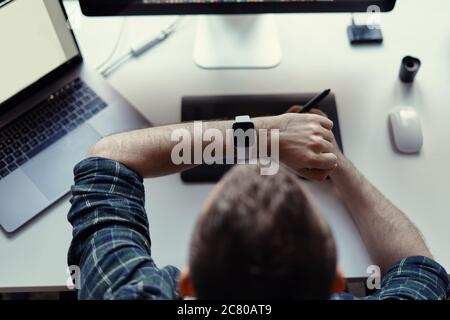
column 257, row 236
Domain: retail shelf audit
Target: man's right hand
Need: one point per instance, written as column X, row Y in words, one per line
column 306, row 145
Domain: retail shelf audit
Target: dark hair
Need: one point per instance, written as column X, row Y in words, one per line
column 261, row 238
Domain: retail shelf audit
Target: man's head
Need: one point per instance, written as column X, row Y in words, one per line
column 261, row 237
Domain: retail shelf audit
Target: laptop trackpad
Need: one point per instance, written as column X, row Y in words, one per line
column 52, row 169
column 20, row 200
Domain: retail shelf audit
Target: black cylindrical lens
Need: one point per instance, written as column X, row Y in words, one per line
column 409, row 69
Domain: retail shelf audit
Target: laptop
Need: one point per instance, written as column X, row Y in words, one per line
column 52, row 108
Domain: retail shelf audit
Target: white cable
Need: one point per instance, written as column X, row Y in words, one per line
column 140, row 47
column 116, row 46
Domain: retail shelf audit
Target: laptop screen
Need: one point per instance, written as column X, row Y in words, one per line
column 34, row 41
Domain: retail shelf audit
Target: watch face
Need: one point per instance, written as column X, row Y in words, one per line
column 244, row 134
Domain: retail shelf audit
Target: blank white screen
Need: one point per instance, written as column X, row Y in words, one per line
column 30, row 47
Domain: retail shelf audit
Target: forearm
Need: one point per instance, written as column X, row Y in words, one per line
column 387, row 232
column 149, row 151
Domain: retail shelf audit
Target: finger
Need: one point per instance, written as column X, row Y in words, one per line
column 324, row 121
column 320, row 145
column 312, row 174
column 323, row 161
column 294, row 109
column 326, row 134
column 325, row 146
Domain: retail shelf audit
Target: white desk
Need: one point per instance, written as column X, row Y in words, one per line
column 316, row 55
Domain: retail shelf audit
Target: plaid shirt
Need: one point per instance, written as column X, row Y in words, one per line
column 111, row 244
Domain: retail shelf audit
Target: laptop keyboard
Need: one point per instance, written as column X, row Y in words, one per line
column 49, row 121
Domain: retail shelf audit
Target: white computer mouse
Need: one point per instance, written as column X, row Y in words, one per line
column 406, row 129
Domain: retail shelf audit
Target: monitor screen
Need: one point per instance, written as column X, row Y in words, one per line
column 147, row 7
column 35, row 41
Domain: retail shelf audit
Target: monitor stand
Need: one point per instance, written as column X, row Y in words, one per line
column 237, row 42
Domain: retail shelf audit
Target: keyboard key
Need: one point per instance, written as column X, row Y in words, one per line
column 95, row 104
column 2, row 164
column 20, row 161
column 4, row 173
column 39, row 117
column 24, row 140
column 89, row 114
column 9, row 159
column 12, row 167
column 34, row 142
column 71, row 127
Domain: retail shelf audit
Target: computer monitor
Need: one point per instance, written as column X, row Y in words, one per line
column 244, row 36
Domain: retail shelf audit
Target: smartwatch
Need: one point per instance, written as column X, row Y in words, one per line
column 244, row 138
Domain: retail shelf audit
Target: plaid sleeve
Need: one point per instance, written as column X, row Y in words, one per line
column 111, row 240
column 413, row 278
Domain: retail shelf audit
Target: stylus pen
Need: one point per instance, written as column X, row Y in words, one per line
column 315, row 101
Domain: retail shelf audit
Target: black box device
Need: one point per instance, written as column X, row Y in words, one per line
column 364, row 34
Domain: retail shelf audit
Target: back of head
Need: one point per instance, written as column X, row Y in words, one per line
column 261, row 238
